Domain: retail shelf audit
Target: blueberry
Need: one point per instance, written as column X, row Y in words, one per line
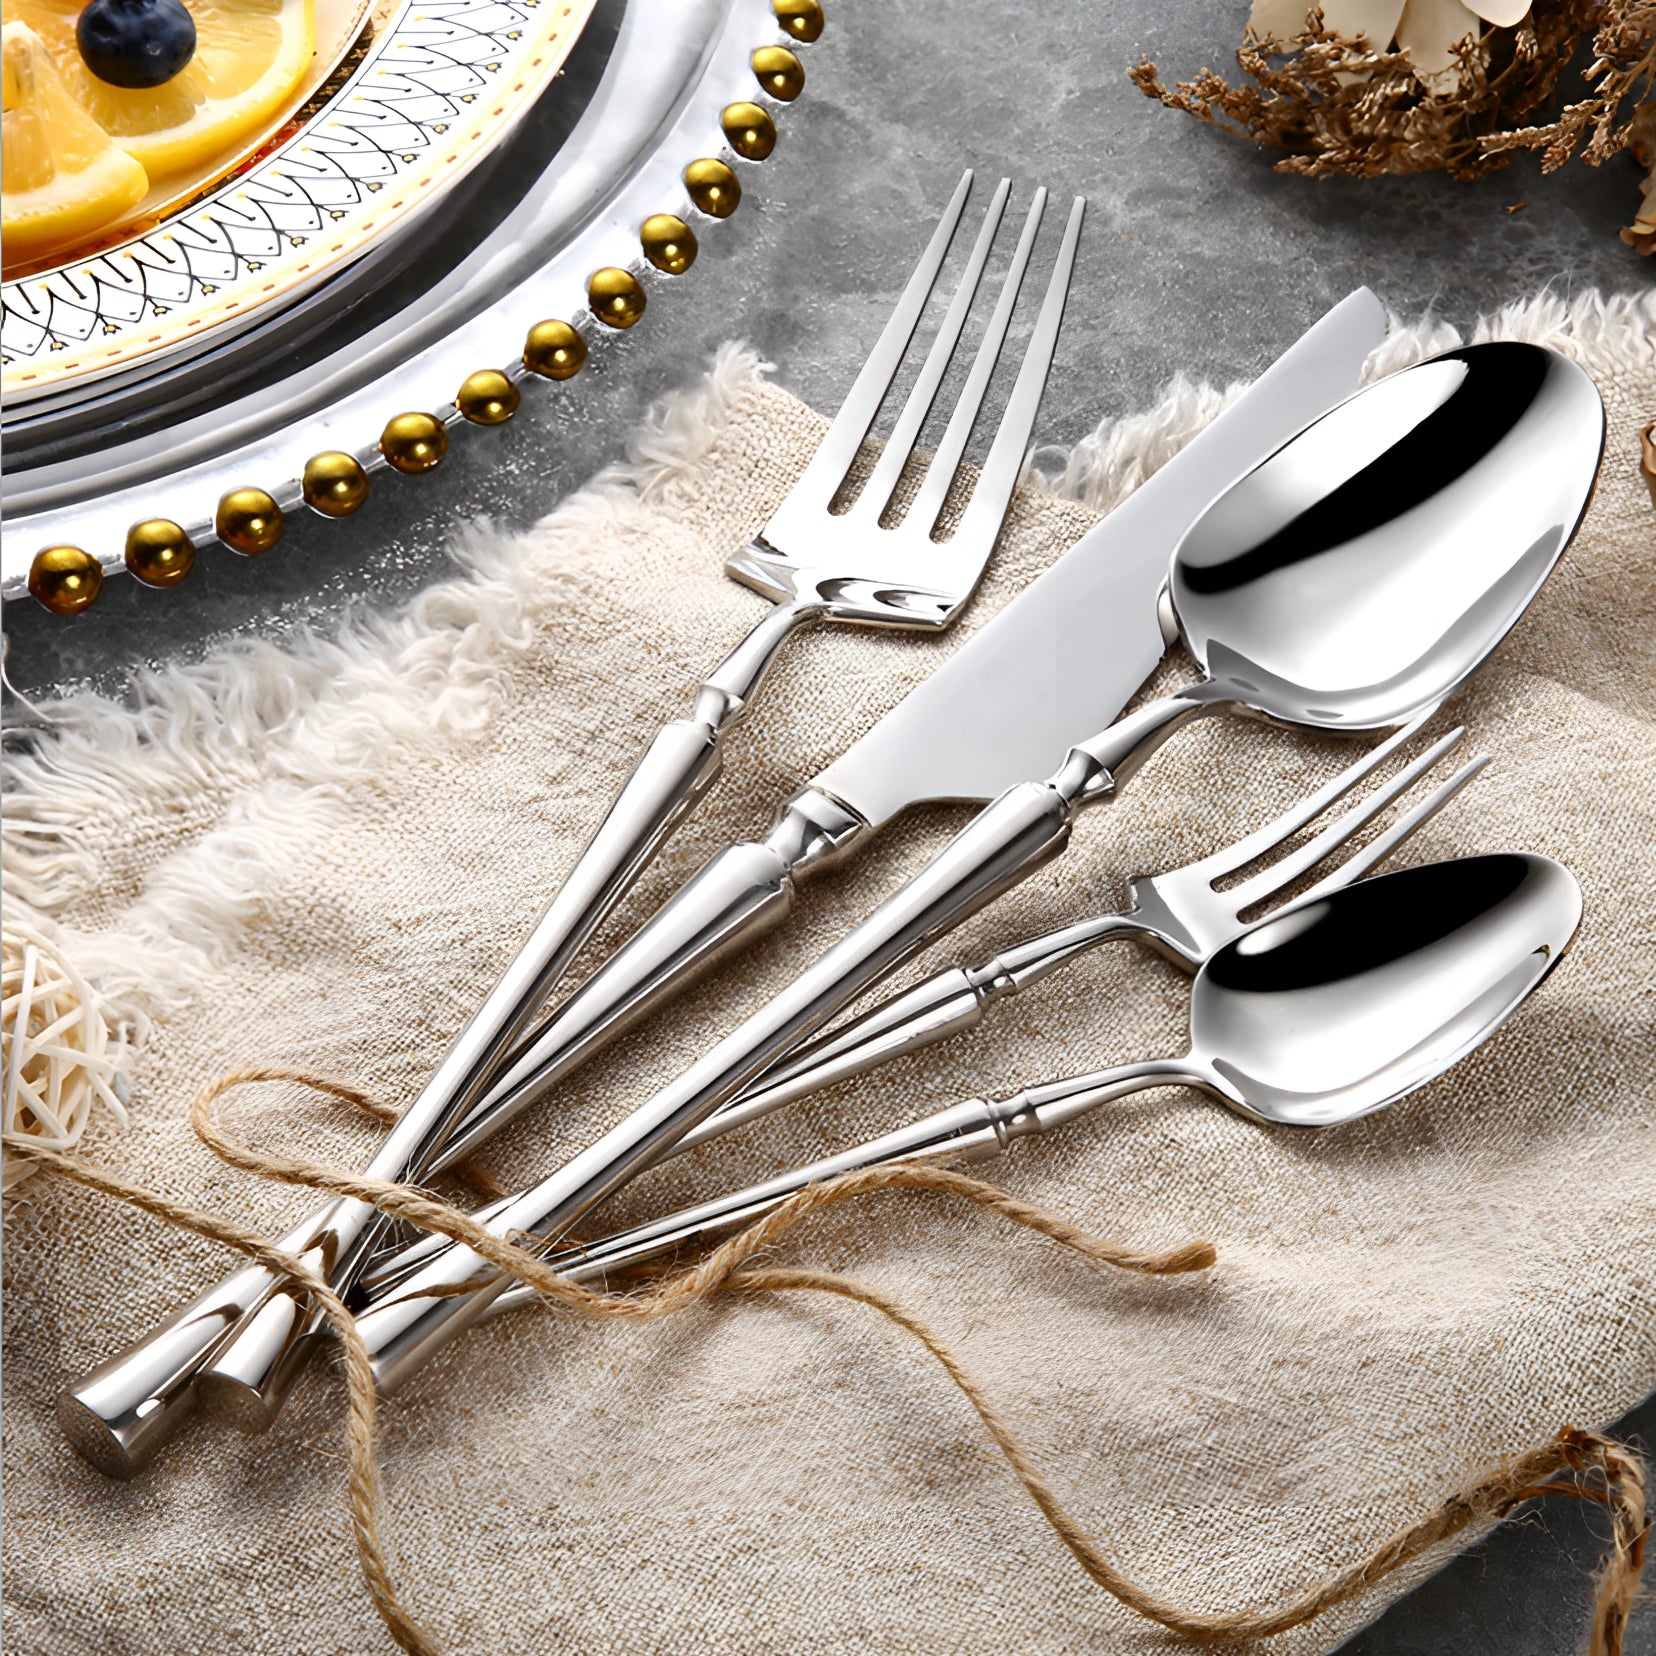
column 135, row 43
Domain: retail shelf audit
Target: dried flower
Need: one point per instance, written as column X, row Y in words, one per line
column 1449, row 96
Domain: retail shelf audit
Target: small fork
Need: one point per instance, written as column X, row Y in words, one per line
column 1178, row 913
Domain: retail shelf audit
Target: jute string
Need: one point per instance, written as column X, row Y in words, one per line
column 1581, row 1465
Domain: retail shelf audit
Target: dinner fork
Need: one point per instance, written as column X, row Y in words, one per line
column 816, row 565
column 1179, row 913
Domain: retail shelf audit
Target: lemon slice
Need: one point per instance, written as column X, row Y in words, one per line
column 61, row 174
column 249, row 57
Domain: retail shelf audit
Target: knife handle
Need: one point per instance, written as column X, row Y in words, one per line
column 1023, row 829
column 741, row 894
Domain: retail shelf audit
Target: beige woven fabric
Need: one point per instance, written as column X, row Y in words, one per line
column 322, row 857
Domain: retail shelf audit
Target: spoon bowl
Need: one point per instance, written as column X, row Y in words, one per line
column 1367, row 568
column 1342, row 1005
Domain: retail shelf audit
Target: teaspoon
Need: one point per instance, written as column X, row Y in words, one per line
column 1323, row 1013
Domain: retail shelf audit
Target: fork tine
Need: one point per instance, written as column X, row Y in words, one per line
column 929, row 500
column 981, row 520
column 899, row 445
column 1338, row 832
column 1382, row 845
column 838, row 448
column 1269, row 837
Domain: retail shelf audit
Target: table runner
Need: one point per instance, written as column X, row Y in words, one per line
column 321, row 854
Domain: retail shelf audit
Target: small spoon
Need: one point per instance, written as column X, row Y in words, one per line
column 1316, row 1016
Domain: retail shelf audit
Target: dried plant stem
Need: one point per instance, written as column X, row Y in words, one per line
column 1343, row 105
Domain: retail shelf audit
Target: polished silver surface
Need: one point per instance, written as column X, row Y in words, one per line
column 1178, row 912
column 962, row 727
column 819, row 565
column 1393, row 533
column 1349, row 1001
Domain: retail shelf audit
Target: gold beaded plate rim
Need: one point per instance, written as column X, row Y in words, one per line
column 517, row 72
column 186, row 489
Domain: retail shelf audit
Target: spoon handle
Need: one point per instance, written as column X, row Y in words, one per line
column 971, row 1131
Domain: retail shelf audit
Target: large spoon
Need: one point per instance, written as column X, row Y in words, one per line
column 1358, row 576
column 1328, row 1011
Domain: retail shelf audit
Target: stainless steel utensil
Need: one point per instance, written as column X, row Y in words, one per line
column 1179, row 913
column 1359, row 575
column 1334, row 1008
column 818, row 566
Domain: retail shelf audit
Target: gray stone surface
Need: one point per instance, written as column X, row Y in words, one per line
column 1197, row 257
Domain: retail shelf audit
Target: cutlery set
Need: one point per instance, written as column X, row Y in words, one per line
column 1332, row 559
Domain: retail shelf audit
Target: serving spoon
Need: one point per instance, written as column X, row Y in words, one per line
column 1325, row 1012
column 1359, row 575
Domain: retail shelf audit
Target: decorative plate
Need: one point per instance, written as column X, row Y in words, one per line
column 361, row 374
column 439, row 85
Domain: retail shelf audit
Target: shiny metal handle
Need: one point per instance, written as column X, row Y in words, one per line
column 940, row 1006
column 972, row 1131
column 1025, row 827
column 244, row 1338
column 741, row 894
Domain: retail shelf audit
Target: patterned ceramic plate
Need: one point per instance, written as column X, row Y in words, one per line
column 496, row 294
column 439, row 85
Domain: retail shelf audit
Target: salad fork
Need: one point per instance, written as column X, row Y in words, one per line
column 1179, row 913
column 246, row 1335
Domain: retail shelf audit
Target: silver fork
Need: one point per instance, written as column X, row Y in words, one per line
column 1178, row 913
column 247, row 1334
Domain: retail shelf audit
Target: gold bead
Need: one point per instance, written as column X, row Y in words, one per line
column 748, row 130
column 159, row 553
column 780, row 73
column 334, row 483
column 65, row 579
column 713, row 187
column 801, row 18
column 668, row 242
column 249, row 521
column 414, row 443
column 615, row 296
column 554, row 349
column 487, row 397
